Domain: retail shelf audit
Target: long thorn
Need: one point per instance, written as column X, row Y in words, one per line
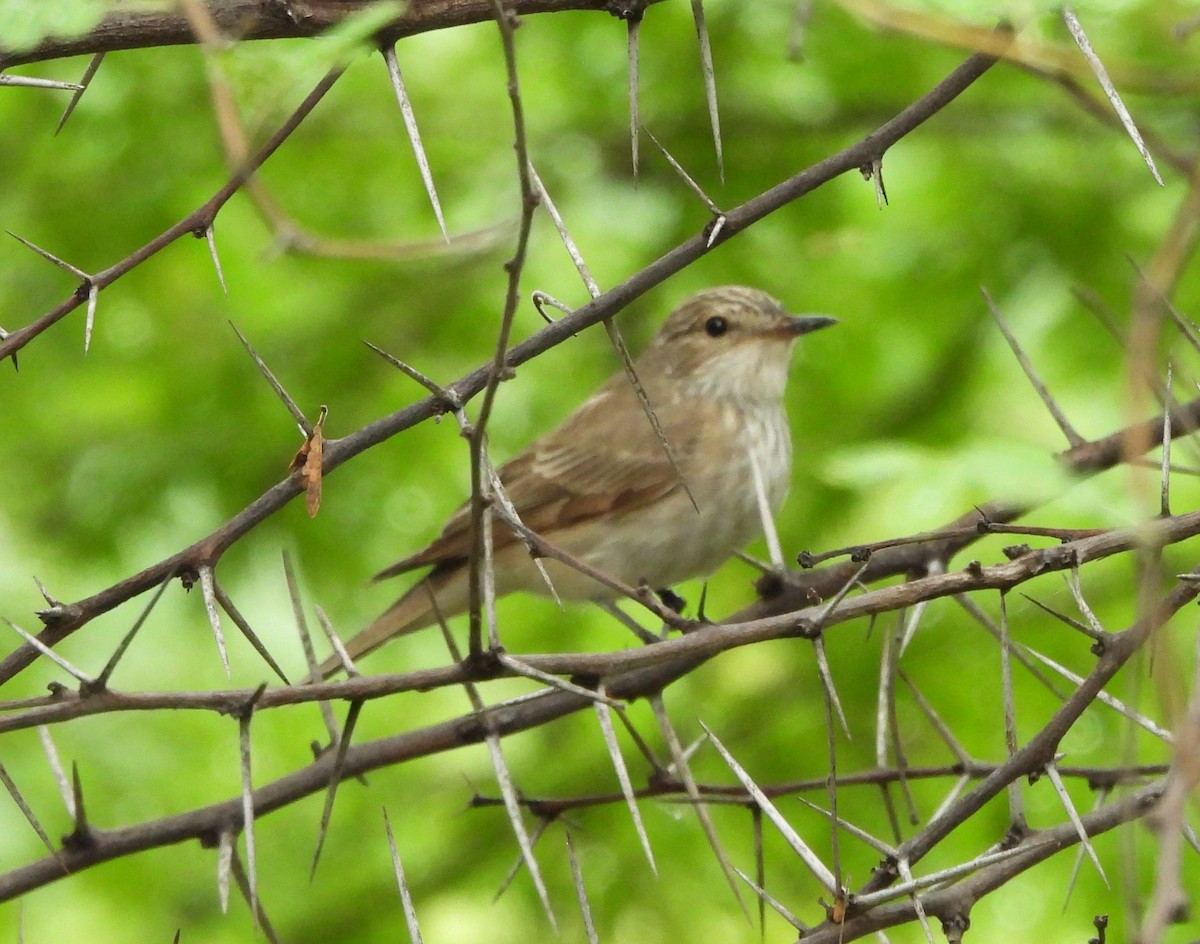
column 410, row 912
column 301, row 421
column 1110, row 90
column 1073, row 437
column 84, row 82
column 710, row 82
column 634, row 26
column 414, row 134
column 208, row 582
column 799, row 846
column 102, row 679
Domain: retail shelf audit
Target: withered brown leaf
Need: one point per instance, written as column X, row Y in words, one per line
column 310, row 459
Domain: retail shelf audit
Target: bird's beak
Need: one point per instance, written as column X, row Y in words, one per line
column 803, row 324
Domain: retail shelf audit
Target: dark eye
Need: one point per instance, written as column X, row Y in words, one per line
column 716, row 326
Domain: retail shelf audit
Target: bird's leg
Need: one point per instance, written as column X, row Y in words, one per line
column 672, row 600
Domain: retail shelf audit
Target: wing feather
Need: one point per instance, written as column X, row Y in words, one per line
column 604, row 459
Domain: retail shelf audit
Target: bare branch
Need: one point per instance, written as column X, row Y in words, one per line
column 195, row 222
column 139, row 28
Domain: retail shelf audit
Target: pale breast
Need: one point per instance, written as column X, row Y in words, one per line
column 673, row 540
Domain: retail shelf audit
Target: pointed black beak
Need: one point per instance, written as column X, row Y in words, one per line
column 803, row 324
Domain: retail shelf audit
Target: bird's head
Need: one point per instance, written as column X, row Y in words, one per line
column 731, row 342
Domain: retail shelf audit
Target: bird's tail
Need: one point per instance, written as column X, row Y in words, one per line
column 412, row 612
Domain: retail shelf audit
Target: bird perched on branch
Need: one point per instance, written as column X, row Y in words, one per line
column 604, row 486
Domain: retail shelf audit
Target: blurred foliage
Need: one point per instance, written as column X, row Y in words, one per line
column 906, row 415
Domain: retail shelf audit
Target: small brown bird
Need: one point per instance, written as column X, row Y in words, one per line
column 601, row 486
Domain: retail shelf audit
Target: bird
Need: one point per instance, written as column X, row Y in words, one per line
column 603, row 487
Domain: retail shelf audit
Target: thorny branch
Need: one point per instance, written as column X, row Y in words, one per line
column 125, row 28
column 694, row 647
column 198, row 222
column 499, row 370
column 637, row 673
column 789, row 612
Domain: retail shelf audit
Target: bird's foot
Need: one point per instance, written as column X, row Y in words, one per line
column 672, row 600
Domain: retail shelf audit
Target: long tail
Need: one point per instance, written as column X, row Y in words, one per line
column 412, row 612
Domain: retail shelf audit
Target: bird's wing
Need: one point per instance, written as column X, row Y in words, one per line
column 573, row 475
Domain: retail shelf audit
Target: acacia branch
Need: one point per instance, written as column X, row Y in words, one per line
column 124, row 28
column 668, row 790
column 793, row 590
column 953, row 903
column 480, row 562
column 682, row 656
column 642, row 672
column 679, row 654
column 196, row 223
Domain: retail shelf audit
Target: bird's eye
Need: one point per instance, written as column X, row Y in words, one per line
column 716, row 326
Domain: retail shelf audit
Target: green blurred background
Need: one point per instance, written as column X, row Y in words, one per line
column 905, row 416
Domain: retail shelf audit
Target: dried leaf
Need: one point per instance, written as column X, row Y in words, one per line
column 310, row 459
